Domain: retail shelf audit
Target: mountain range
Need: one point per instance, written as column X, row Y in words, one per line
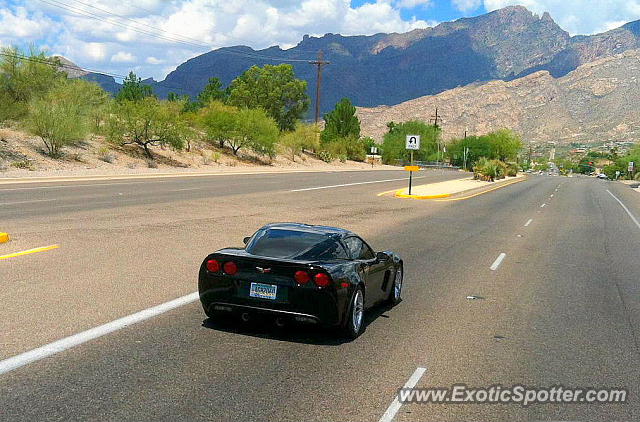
column 391, row 68
column 597, row 102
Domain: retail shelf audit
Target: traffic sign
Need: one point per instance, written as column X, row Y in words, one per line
column 631, row 165
column 412, row 168
column 413, row 142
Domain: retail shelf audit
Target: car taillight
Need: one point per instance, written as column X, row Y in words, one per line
column 322, row 280
column 213, row 266
column 230, row 268
column 302, row 277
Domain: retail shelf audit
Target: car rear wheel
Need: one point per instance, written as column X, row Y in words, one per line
column 395, row 295
column 355, row 316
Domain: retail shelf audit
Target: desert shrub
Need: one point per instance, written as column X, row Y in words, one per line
column 61, row 117
column 24, row 165
column 152, row 164
column 304, row 137
column 512, row 169
column 325, row 156
column 104, row 154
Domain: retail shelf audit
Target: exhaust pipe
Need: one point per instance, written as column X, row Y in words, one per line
column 245, row 317
column 280, row 322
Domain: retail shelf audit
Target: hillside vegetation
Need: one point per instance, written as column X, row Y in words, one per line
column 257, row 118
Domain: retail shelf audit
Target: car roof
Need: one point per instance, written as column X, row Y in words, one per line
column 326, row 230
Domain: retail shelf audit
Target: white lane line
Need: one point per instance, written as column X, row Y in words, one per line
column 528, row 222
column 79, row 186
column 635, row 220
column 353, row 184
column 498, row 261
column 28, row 202
column 543, row 205
column 395, row 404
column 93, row 333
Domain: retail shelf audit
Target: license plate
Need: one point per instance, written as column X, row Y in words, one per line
column 263, row 291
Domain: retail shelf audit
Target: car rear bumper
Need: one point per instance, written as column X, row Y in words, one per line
column 222, row 307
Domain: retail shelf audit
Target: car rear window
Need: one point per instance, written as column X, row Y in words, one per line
column 281, row 243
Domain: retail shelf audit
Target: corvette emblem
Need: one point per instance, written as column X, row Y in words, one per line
column 263, row 270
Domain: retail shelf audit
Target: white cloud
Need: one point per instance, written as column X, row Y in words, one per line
column 466, row 5
column 411, row 4
column 153, row 60
column 123, row 57
column 96, row 51
column 19, row 24
column 579, row 16
column 186, row 28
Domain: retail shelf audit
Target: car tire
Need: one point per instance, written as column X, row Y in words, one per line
column 354, row 319
column 395, row 294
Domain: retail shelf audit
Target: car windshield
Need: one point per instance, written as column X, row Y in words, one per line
column 283, row 243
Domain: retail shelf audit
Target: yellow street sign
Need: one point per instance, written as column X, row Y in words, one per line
column 412, row 168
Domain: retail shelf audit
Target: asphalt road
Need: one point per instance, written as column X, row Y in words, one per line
column 561, row 308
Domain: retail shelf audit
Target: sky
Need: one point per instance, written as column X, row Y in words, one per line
column 152, row 37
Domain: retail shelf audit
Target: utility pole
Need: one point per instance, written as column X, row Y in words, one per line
column 320, row 62
column 436, row 119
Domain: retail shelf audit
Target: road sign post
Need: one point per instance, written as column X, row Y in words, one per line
column 412, row 144
column 631, row 168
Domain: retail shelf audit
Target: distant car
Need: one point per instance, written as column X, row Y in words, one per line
column 310, row 274
column 603, row 176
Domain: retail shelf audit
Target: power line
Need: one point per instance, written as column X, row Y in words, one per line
column 88, row 14
column 89, row 71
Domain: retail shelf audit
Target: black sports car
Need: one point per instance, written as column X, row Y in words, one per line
column 315, row 274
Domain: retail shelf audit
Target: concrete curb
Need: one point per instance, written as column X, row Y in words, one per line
column 398, row 194
column 444, row 196
column 482, row 192
column 4, row 237
column 90, row 178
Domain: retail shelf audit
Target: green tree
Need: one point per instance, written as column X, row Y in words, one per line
column 147, row 122
column 341, row 122
column 505, row 144
column 305, row 137
column 219, row 122
column 393, row 146
column 213, row 91
column 63, row 115
column 133, row 89
column 254, row 130
column 24, row 77
column 274, row 89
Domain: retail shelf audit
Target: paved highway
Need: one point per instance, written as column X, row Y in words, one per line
column 554, row 260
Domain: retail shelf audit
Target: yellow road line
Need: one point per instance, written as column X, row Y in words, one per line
column 483, row 192
column 386, row 192
column 4, row 237
column 30, row 251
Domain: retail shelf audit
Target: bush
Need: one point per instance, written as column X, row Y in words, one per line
column 152, row 164
column 24, row 164
column 61, row 117
column 348, row 148
column 512, row 169
column 489, row 170
column 147, row 122
column 304, row 137
column 107, row 156
column 325, row 156
column 214, row 157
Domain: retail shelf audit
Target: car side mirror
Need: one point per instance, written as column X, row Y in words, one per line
column 246, row 240
column 381, row 256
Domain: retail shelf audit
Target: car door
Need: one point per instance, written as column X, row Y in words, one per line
column 371, row 268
